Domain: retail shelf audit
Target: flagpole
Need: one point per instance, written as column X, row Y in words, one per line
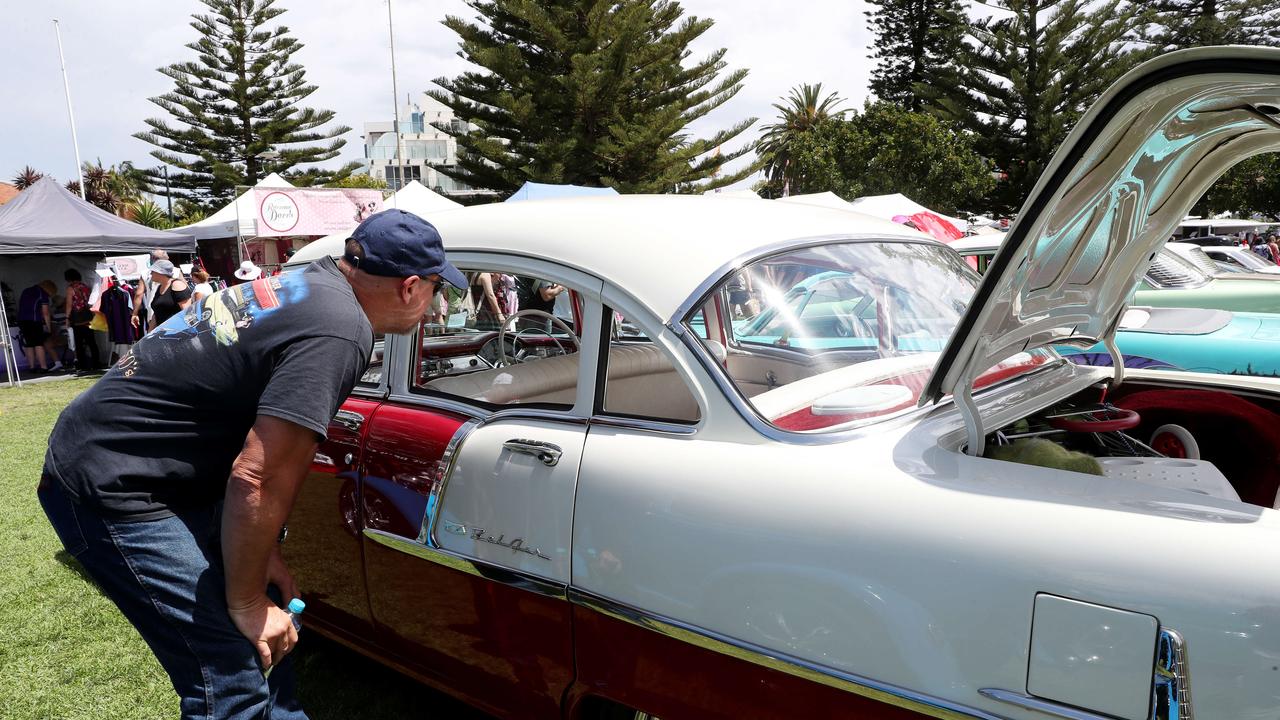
column 395, row 95
column 67, row 87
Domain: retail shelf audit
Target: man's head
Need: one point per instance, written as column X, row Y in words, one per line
column 395, row 263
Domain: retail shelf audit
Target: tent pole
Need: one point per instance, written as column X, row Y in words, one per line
column 66, row 85
column 6, row 348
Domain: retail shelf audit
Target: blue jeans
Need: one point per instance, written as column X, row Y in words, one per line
column 166, row 576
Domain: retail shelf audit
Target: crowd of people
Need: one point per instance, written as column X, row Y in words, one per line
column 1267, row 246
column 55, row 325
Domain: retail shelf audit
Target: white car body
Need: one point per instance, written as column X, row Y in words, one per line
column 1246, row 260
column 889, row 559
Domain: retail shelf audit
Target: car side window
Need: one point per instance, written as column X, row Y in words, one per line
column 509, row 339
column 373, row 373
column 640, row 379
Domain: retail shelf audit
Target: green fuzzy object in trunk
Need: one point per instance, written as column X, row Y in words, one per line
column 1045, row 453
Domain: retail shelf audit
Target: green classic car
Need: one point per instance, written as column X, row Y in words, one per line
column 1170, row 281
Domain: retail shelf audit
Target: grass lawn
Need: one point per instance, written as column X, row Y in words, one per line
column 66, row 652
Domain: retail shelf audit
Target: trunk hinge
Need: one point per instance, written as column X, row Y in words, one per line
column 1117, row 360
column 976, row 439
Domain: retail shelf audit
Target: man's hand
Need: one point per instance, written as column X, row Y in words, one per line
column 134, row 321
column 269, row 628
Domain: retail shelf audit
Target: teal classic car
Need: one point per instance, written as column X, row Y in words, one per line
column 1192, row 339
column 1183, row 319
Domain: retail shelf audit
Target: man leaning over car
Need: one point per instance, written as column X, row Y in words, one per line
column 171, row 478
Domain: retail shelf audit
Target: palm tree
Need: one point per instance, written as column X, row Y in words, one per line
column 26, row 178
column 801, row 112
column 128, row 184
column 150, row 214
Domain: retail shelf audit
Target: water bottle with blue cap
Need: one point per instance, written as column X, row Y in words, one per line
column 294, row 609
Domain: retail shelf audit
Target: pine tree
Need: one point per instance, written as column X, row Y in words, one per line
column 238, row 99
column 917, row 44
column 1253, row 185
column 1177, row 24
column 589, row 92
column 1029, row 74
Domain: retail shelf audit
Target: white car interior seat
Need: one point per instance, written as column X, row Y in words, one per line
column 642, row 381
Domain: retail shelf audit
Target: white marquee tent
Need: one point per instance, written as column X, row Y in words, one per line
column 887, row 206
column 826, row 199
column 222, row 224
column 414, row 197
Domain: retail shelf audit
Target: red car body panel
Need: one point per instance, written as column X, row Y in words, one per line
column 672, row 679
column 324, row 547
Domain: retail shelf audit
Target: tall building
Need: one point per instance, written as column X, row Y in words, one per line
column 421, row 146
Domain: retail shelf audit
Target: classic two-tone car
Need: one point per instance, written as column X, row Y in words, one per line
column 943, row 519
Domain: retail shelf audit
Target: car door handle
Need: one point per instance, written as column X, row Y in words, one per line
column 349, row 419
column 546, row 453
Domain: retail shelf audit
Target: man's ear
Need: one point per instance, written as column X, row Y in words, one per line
column 410, row 286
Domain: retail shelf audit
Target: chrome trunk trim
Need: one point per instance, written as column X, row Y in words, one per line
column 773, row 660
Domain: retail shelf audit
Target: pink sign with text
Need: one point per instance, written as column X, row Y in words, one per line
column 307, row 211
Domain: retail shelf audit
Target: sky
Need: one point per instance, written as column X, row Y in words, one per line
column 112, row 51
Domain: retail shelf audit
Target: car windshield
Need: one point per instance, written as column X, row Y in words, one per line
column 838, row 334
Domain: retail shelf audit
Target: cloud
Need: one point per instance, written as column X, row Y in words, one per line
column 113, row 50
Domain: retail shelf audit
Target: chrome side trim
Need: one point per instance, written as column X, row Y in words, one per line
column 436, row 402
column 448, row 460
column 1171, row 694
column 1047, row 707
column 773, row 660
column 470, row 566
column 645, row 425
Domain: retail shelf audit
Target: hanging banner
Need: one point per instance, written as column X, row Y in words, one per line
column 306, row 211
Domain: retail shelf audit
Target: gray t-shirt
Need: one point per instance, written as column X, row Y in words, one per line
column 159, row 432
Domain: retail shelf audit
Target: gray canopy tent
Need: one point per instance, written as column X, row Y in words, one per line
column 47, row 222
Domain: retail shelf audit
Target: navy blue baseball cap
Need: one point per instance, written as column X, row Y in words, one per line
column 397, row 243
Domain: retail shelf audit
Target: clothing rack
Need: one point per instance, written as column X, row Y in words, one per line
column 6, row 348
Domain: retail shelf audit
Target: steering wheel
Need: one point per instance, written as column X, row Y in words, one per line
column 1103, row 419
column 504, row 359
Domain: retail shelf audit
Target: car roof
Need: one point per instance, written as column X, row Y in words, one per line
column 976, row 242
column 657, row 248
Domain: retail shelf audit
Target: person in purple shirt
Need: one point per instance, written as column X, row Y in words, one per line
column 35, row 323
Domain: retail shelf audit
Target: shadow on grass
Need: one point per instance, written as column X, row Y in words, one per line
column 74, row 566
column 336, row 683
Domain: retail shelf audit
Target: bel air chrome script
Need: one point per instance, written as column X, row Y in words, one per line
column 479, row 535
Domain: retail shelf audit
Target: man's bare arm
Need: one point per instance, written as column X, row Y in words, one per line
column 265, row 479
